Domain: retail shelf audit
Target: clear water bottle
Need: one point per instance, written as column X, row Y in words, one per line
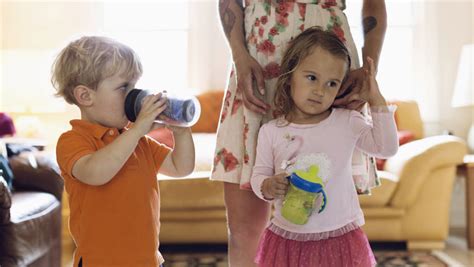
column 180, row 111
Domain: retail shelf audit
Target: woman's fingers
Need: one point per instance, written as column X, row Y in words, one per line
column 250, row 100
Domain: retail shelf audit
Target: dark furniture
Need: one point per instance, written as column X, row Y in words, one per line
column 30, row 214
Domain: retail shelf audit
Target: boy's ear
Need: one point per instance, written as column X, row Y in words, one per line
column 83, row 95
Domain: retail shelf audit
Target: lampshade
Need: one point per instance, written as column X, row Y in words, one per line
column 463, row 91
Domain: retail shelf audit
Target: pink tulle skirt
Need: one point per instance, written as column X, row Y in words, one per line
column 350, row 249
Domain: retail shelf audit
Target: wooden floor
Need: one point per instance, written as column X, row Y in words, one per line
column 455, row 254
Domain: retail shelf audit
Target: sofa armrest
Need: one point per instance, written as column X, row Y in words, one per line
column 40, row 174
column 414, row 162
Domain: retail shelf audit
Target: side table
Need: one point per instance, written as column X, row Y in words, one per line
column 466, row 169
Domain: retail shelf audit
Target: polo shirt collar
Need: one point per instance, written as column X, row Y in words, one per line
column 96, row 130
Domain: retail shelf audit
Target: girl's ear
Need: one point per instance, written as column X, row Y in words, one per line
column 83, row 95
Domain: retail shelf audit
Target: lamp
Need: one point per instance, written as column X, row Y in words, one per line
column 463, row 91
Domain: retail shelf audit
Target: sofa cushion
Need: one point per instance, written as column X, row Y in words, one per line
column 198, row 193
column 26, row 205
column 37, row 171
column 381, row 195
column 211, row 103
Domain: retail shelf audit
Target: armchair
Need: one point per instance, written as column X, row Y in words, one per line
column 30, row 215
column 413, row 202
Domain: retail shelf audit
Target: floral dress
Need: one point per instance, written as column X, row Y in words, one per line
column 269, row 26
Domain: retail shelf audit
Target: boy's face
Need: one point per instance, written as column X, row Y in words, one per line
column 109, row 99
column 315, row 83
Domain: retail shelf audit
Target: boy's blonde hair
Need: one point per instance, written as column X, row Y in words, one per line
column 88, row 61
column 297, row 50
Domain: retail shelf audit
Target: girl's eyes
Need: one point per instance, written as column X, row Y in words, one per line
column 329, row 84
column 332, row 84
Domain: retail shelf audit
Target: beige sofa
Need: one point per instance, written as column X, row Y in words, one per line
column 411, row 205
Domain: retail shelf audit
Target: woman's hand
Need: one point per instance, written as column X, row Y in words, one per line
column 350, row 91
column 363, row 88
column 275, row 186
column 247, row 69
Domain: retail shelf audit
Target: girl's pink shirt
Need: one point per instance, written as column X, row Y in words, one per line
column 336, row 137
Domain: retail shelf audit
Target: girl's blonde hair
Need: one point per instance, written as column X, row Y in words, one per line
column 88, row 61
column 297, row 50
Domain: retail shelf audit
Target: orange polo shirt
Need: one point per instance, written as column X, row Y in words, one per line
column 115, row 224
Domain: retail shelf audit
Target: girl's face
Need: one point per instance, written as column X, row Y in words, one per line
column 108, row 101
column 314, row 85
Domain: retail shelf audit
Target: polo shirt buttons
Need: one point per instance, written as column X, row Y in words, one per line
column 111, row 132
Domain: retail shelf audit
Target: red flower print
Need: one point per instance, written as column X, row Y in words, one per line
column 301, row 27
column 271, row 70
column 282, row 8
column 285, row 7
column 329, row 3
column 246, row 130
column 282, row 20
column 236, row 105
column 260, row 32
column 273, row 31
column 230, row 161
column 339, row 33
column 246, row 158
column 266, row 47
column 226, row 105
column 264, row 20
column 257, row 22
column 302, row 10
column 227, row 159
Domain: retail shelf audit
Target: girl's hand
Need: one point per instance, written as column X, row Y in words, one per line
column 374, row 97
column 275, row 186
column 152, row 106
column 247, row 69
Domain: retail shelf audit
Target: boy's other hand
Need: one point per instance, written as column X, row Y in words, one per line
column 275, row 186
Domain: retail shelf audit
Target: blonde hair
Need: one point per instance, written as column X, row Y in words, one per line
column 297, row 50
column 88, row 61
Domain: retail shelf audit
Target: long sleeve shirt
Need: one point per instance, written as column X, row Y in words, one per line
column 333, row 139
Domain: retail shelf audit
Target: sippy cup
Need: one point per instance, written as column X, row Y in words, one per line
column 180, row 111
column 305, row 188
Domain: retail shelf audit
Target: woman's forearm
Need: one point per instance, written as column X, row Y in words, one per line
column 374, row 22
column 231, row 13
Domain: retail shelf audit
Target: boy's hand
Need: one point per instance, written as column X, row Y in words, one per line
column 152, row 106
column 275, row 186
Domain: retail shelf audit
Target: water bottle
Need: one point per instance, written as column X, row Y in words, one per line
column 180, row 111
column 300, row 200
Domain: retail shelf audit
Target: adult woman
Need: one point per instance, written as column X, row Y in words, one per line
column 257, row 36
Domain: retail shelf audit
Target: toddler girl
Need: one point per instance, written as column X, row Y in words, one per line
column 312, row 136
